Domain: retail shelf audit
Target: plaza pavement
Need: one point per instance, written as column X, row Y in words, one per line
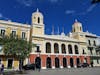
column 72, row 71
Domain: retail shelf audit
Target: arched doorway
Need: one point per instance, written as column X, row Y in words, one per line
column 57, row 62
column 71, row 62
column 48, row 62
column 64, row 62
column 78, row 62
column 85, row 60
column 38, row 62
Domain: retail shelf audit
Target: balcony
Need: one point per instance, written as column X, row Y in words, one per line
column 94, row 54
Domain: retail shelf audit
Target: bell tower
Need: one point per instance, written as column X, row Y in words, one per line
column 77, row 31
column 77, row 27
column 37, row 23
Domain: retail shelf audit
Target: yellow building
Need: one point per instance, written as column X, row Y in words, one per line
column 7, row 28
column 52, row 51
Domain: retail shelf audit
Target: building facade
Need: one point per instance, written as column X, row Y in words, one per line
column 59, row 51
column 53, row 51
column 16, row 29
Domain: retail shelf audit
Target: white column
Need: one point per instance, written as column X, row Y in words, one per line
column 73, row 49
column 52, row 47
column 80, row 51
column 60, row 51
column 44, row 47
column 66, row 45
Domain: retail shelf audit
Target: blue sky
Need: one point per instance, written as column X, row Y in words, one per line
column 57, row 13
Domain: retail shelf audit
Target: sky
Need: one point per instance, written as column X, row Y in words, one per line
column 57, row 13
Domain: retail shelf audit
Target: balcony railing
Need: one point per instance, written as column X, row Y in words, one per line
column 94, row 54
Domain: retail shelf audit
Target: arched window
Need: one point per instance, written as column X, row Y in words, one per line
column 94, row 43
column 48, row 47
column 89, row 42
column 84, row 52
column 34, row 17
column 63, row 48
column 38, row 19
column 74, row 29
column 56, row 48
column 76, row 49
column 70, row 49
column 80, row 29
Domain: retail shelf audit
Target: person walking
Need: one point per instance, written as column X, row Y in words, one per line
column 1, row 68
column 91, row 64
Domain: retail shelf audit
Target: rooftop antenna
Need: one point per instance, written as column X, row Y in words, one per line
column 37, row 10
column 63, row 29
column 58, row 30
column 52, row 30
column 76, row 20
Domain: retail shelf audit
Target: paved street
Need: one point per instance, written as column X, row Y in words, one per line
column 72, row 71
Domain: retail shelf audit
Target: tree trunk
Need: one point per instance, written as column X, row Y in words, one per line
column 20, row 64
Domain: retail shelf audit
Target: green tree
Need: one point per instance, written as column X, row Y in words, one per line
column 16, row 47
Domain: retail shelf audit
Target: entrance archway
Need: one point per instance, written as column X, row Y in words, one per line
column 78, row 62
column 56, row 62
column 48, row 62
column 38, row 62
column 64, row 62
column 71, row 62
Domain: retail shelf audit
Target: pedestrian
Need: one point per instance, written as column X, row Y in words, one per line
column 91, row 64
column 1, row 68
column 39, row 67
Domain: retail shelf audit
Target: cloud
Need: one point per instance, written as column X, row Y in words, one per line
column 70, row 12
column 3, row 17
column 53, row 1
column 27, row 3
column 88, row 10
column 91, row 8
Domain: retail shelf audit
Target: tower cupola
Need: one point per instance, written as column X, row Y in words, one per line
column 37, row 17
column 77, row 27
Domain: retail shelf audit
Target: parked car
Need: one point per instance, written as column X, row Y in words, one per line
column 79, row 65
column 29, row 66
column 85, row 65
